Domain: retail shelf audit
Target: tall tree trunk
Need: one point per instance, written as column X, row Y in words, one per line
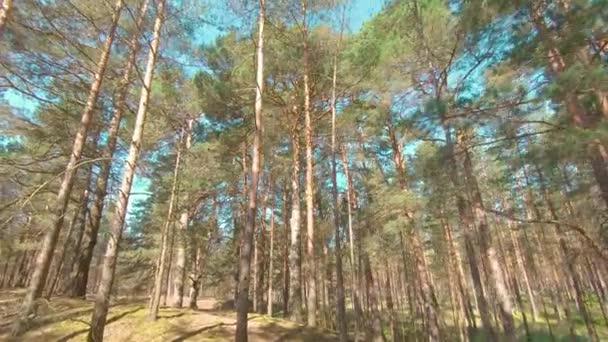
column 286, row 249
column 102, row 300
column 375, row 330
column 504, row 302
column 340, row 300
column 73, row 237
column 523, row 270
column 295, row 249
column 184, row 222
column 260, row 253
column 466, row 220
column 311, row 271
column 271, row 251
column 429, row 300
column 164, row 241
column 578, row 291
column 247, row 236
column 239, row 224
column 81, row 273
column 195, row 275
column 49, row 243
column 355, row 289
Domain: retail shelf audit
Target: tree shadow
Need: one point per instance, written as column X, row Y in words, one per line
column 109, row 321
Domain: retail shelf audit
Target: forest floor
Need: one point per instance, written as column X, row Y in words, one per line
column 65, row 319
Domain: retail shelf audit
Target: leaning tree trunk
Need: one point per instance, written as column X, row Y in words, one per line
column 102, row 300
column 80, row 276
column 160, row 270
column 242, row 305
column 49, row 243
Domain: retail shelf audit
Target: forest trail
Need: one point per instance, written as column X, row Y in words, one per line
column 65, row 319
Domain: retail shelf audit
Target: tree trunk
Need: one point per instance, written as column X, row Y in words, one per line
column 504, row 302
column 161, row 264
column 260, row 252
column 102, row 301
column 340, row 300
column 81, row 273
column 311, row 271
column 286, row 246
column 356, row 291
column 271, row 252
column 295, row 249
column 247, row 236
column 184, row 222
column 49, row 243
column 375, row 330
column 466, row 220
column 578, row 291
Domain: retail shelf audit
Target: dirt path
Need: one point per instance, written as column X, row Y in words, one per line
column 65, row 319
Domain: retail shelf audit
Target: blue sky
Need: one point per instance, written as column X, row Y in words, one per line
column 358, row 11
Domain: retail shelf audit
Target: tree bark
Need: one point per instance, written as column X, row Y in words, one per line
column 311, row 271
column 160, row 266
column 49, row 243
column 295, row 249
column 578, row 291
column 81, row 273
column 271, row 252
column 466, row 220
column 504, row 302
column 184, row 222
column 247, row 236
column 340, row 300
column 102, row 300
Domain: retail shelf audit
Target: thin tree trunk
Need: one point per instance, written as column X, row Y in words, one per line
column 311, row 271
column 247, row 236
column 184, row 222
column 260, row 251
column 81, row 273
column 340, row 300
column 102, row 301
column 271, row 252
column 49, row 243
column 286, row 249
column 523, row 270
column 295, row 249
column 161, row 265
column 464, row 214
column 375, row 331
column 504, row 302
column 578, row 291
